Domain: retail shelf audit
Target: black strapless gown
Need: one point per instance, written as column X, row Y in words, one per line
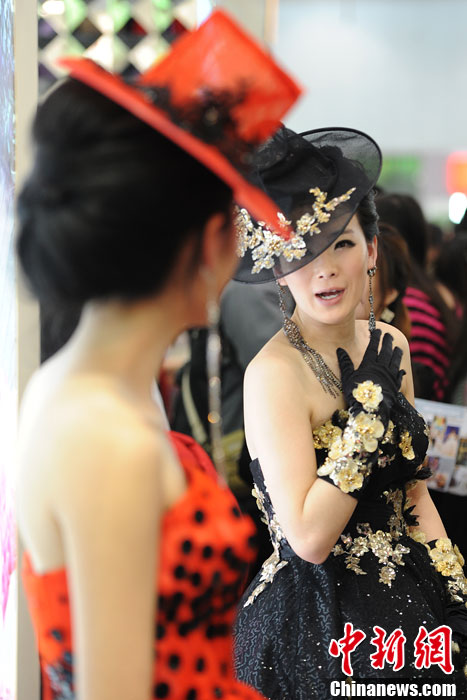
column 375, row 575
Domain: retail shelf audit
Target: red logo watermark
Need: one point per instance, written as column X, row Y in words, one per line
column 430, row 648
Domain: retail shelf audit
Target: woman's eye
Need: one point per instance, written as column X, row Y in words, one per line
column 345, row 243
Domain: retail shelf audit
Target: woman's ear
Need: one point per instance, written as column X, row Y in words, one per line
column 372, row 252
column 219, row 249
column 218, row 241
column 391, row 295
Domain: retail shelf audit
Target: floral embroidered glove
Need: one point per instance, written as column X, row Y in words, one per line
column 376, row 381
column 370, row 391
column 448, row 562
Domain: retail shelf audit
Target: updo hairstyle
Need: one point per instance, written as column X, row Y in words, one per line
column 368, row 216
column 110, row 202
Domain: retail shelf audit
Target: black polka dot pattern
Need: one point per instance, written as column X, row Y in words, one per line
column 161, row 690
column 205, row 548
column 174, row 661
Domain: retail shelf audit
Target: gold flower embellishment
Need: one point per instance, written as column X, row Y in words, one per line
column 349, row 478
column 325, row 435
column 445, row 558
column 406, row 445
column 267, row 245
column 370, row 429
column 369, row 395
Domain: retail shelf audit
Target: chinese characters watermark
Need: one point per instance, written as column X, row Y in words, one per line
column 430, row 648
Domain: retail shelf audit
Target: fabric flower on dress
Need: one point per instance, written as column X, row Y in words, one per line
column 448, row 562
column 325, row 435
column 445, row 558
column 458, row 554
column 419, row 536
column 369, row 395
column 343, row 464
column 389, row 434
column 349, row 478
column 274, row 563
column 382, row 544
column 369, row 429
column 406, row 445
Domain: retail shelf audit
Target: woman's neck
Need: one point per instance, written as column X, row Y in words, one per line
column 126, row 342
column 325, row 338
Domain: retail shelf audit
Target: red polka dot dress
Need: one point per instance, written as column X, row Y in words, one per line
column 206, row 546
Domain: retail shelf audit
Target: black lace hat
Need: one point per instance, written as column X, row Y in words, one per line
column 317, row 179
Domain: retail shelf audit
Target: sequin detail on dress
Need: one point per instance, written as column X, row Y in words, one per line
column 383, row 545
column 273, row 564
column 379, row 576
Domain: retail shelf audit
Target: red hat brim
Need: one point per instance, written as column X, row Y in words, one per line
column 220, row 56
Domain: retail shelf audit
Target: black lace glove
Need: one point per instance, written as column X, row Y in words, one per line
column 448, row 562
column 371, row 391
column 373, row 386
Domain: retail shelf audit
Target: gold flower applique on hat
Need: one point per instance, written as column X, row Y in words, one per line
column 267, row 245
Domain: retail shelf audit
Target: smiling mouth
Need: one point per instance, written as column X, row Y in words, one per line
column 330, row 294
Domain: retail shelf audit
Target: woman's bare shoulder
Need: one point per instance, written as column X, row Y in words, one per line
column 82, row 429
column 275, row 364
column 399, row 338
column 400, row 341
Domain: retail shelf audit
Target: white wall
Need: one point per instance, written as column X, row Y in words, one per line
column 26, row 91
column 394, row 68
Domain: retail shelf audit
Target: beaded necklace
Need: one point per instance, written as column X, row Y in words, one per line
column 324, row 374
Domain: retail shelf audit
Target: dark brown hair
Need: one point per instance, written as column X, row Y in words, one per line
column 394, row 273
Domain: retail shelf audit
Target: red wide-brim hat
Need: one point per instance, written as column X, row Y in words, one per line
column 218, row 95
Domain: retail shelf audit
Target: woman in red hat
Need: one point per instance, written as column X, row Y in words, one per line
column 136, row 555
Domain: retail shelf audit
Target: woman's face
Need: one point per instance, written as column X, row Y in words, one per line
column 329, row 288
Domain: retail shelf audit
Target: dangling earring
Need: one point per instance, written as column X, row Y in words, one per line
column 371, row 318
column 282, row 307
column 387, row 315
column 213, row 366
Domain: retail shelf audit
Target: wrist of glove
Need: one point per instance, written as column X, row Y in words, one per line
column 448, row 562
column 373, row 386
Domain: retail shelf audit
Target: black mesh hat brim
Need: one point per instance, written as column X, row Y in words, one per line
column 337, row 161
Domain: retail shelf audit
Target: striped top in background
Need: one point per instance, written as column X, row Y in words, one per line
column 428, row 347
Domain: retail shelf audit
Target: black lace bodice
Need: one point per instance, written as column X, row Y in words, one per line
column 382, row 517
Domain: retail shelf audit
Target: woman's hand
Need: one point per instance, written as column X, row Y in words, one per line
column 373, row 386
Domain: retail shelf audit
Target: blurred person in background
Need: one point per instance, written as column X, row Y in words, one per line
column 451, row 273
column 390, row 281
column 433, row 324
column 435, row 238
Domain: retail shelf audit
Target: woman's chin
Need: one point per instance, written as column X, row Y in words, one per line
column 361, row 312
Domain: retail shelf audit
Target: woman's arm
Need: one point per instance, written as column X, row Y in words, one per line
column 312, row 512
column 108, row 501
column 428, row 518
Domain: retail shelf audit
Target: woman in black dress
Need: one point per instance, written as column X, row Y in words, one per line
column 362, row 578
